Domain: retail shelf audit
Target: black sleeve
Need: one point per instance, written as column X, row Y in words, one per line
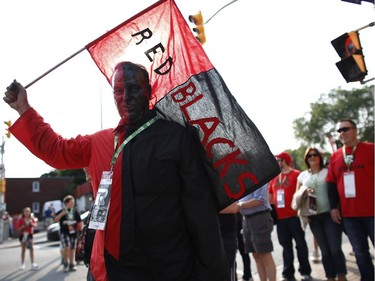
column 77, row 216
column 333, row 195
column 200, row 213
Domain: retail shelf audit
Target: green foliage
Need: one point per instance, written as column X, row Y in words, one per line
column 78, row 176
column 321, row 121
column 313, row 129
column 297, row 156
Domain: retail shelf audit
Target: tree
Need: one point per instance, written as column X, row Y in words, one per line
column 358, row 104
column 78, row 178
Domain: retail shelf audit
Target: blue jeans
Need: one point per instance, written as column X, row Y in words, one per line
column 359, row 229
column 329, row 237
column 287, row 230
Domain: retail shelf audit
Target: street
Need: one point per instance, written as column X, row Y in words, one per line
column 47, row 255
column 317, row 273
column 277, row 253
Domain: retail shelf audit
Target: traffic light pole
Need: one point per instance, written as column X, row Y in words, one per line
column 371, row 24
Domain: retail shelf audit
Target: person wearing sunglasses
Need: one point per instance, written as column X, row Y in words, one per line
column 351, row 193
column 325, row 230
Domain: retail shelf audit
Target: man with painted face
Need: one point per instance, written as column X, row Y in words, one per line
column 162, row 222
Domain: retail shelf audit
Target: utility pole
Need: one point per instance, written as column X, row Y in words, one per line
column 2, row 191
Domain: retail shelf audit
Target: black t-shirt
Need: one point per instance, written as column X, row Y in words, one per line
column 68, row 223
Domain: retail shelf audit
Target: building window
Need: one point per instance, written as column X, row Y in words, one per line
column 36, row 186
column 35, row 207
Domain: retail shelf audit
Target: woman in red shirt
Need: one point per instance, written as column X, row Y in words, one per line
column 26, row 226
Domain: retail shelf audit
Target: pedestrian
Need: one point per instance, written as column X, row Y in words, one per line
column 282, row 189
column 228, row 230
column 246, row 261
column 327, row 233
column 70, row 224
column 162, row 222
column 257, row 228
column 351, row 193
column 26, row 226
column 9, row 220
column 49, row 215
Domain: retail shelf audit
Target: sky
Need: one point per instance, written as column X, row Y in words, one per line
column 275, row 56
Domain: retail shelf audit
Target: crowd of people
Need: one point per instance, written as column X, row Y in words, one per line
column 162, row 222
column 334, row 199
column 70, row 227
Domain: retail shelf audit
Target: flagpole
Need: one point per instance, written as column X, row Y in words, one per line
column 53, row 68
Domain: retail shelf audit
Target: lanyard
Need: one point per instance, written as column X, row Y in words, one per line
column 129, row 138
column 282, row 180
column 314, row 179
column 348, row 159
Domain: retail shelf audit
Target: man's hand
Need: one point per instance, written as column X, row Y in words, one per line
column 335, row 216
column 16, row 97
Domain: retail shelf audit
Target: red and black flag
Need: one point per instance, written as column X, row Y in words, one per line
column 189, row 90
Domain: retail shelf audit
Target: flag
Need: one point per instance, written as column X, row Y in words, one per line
column 189, row 90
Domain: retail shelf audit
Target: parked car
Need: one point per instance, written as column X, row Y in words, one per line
column 53, row 230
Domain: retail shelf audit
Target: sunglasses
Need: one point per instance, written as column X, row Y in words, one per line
column 344, row 129
column 312, row 155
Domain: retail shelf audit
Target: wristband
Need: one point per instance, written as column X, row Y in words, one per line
column 240, row 205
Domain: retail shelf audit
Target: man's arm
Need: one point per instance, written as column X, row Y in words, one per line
column 59, row 215
column 333, row 198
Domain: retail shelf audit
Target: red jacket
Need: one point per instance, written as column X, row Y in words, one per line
column 93, row 151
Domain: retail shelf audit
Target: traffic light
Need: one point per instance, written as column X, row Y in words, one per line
column 358, row 1
column 199, row 27
column 352, row 64
column 8, row 123
column 2, row 185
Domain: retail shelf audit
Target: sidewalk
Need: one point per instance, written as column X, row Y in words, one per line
column 318, row 273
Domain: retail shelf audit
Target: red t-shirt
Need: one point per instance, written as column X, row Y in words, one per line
column 362, row 205
column 29, row 226
column 284, row 184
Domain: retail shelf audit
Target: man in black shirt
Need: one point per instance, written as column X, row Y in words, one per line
column 162, row 221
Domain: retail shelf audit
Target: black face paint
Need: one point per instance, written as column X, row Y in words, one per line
column 136, row 91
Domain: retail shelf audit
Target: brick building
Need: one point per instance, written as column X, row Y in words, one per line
column 34, row 192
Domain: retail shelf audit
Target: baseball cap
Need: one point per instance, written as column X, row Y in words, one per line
column 285, row 156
